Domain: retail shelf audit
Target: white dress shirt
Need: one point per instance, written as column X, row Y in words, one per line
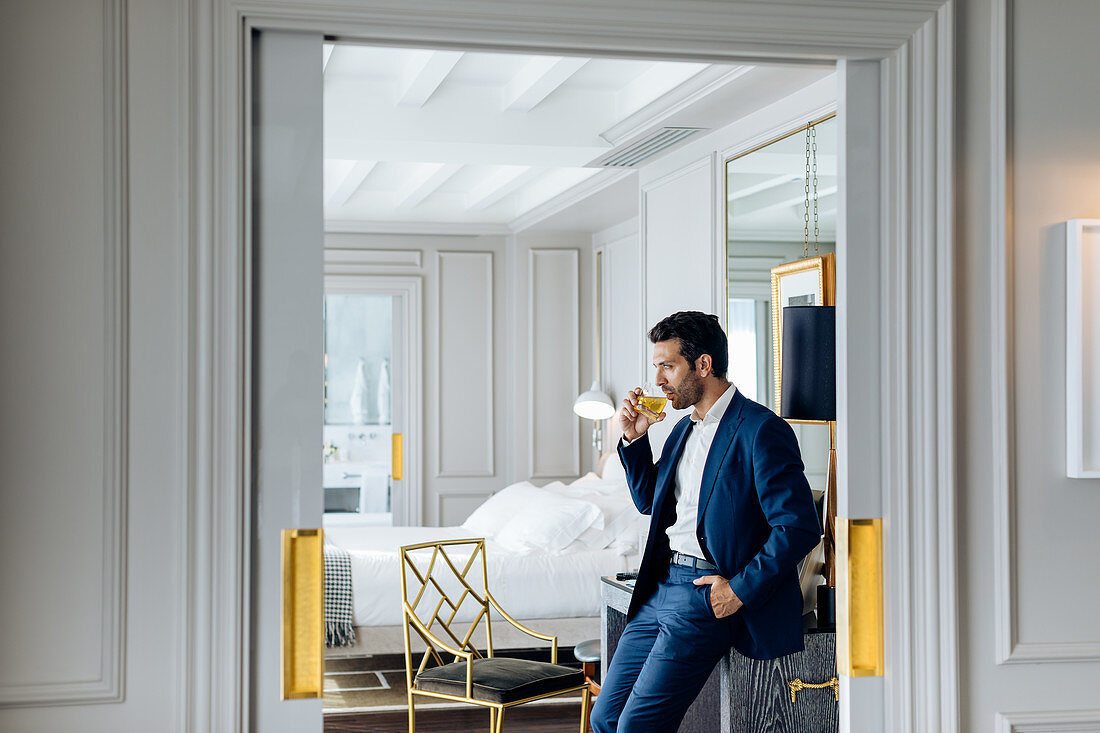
column 689, row 476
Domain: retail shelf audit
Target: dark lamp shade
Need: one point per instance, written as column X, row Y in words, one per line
column 809, row 363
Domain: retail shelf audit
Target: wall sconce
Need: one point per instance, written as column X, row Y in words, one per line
column 1083, row 348
column 595, row 405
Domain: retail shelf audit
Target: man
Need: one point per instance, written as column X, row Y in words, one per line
column 732, row 515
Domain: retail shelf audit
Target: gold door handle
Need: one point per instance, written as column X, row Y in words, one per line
column 860, row 646
column 398, row 457
column 797, row 685
column 303, row 659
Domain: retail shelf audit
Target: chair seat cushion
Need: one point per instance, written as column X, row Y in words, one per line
column 500, row 680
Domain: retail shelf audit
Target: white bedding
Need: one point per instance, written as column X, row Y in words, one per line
column 535, row 585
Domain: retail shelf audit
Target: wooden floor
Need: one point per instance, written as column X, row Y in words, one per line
column 522, row 719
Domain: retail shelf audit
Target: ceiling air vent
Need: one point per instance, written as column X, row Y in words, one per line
column 652, row 144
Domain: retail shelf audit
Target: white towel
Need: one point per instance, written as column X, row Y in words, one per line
column 358, row 399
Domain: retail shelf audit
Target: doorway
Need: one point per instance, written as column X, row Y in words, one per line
column 372, row 381
column 896, row 327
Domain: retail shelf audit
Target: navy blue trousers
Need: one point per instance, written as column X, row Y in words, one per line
column 663, row 659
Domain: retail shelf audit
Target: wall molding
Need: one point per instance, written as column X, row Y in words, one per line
column 348, row 261
column 217, row 38
column 777, row 132
column 109, row 685
column 694, row 89
column 1050, row 721
column 571, row 299
column 488, row 470
column 215, row 667
column 1002, row 378
column 456, row 229
column 1008, row 647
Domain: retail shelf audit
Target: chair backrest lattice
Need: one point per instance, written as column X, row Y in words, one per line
column 440, row 592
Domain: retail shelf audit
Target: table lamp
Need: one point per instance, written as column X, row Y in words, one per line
column 808, row 392
column 595, row 405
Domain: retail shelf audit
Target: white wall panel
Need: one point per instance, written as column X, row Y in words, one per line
column 1057, row 163
column 679, row 254
column 452, row 508
column 553, row 361
column 623, row 330
column 1026, row 530
column 64, row 292
column 465, row 366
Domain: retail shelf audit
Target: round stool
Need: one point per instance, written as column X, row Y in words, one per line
column 588, row 654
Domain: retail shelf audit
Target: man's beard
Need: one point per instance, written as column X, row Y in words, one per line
column 687, row 393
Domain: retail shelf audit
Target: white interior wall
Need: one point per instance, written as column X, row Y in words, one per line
column 93, row 242
column 1028, row 592
column 479, row 295
column 551, row 346
column 622, row 366
column 62, row 423
column 49, row 143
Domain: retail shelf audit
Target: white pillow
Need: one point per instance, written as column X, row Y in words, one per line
column 491, row 516
column 592, row 482
column 524, row 518
column 616, row 506
column 613, row 469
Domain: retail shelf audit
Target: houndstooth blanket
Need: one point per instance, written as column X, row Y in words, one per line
column 339, row 629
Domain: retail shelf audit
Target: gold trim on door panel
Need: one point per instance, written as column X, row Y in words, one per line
column 860, row 644
column 303, row 654
column 398, row 471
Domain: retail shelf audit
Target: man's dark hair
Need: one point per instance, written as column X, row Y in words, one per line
column 699, row 333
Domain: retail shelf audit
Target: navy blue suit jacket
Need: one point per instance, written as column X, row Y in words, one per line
column 756, row 520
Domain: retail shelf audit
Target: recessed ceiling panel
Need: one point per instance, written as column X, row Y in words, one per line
column 435, row 136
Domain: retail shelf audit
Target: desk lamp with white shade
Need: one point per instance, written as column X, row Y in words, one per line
column 595, row 405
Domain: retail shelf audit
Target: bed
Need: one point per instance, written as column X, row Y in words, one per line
column 546, row 548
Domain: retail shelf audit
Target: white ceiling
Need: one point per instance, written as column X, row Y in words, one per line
column 419, row 138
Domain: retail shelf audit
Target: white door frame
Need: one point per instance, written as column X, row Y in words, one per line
column 407, row 289
column 906, row 408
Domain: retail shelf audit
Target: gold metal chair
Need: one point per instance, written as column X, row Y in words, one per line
column 433, row 590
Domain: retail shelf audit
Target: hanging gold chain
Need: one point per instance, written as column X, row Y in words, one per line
column 806, row 217
column 817, row 230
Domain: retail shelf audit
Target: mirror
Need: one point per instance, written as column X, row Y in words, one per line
column 358, row 404
column 358, row 352
column 766, row 224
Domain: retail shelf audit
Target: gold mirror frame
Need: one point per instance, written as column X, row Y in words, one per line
column 824, row 265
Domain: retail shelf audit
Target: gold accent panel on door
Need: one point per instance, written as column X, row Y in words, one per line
column 398, row 471
column 303, row 659
column 860, row 644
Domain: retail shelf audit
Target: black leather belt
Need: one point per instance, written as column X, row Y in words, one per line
column 679, row 558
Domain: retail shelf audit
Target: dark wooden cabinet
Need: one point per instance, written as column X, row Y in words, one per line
column 793, row 694
column 798, row 693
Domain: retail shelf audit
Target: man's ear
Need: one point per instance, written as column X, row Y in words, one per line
column 704, row 365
